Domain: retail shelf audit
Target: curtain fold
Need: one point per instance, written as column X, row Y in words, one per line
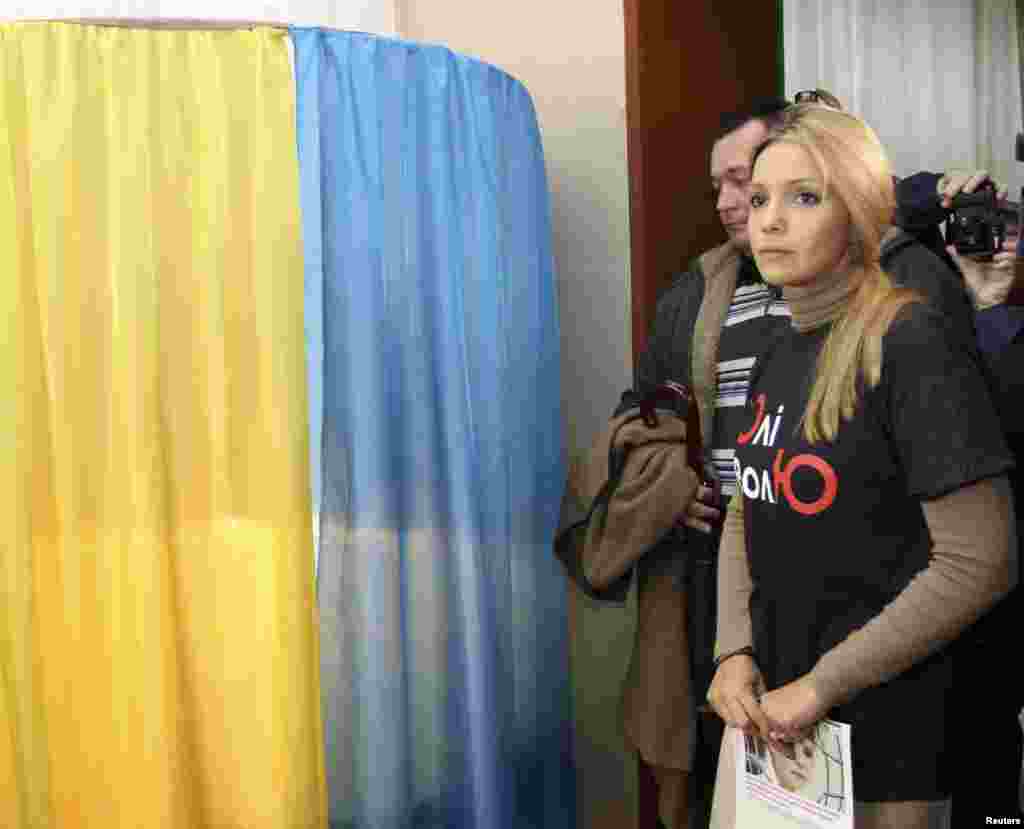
column 1020, row 54
column 444, row 647
column 939, row 82
column 158, row 642
column 998, row 94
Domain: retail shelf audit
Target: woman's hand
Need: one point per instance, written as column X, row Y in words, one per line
column 734, row 693
column 792, row 709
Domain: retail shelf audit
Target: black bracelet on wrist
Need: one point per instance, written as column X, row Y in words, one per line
column 745, row 651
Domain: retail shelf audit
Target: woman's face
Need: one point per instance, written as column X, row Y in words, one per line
column 796, row 233
column 795, row 769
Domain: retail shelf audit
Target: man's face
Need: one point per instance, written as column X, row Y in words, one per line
column 730, row 177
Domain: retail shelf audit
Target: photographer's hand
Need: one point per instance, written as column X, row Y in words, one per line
column 954, row 182
column 988, row 283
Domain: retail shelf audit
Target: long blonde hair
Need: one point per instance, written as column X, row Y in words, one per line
column 855, row 170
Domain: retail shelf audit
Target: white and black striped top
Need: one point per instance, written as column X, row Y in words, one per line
column 755, row 314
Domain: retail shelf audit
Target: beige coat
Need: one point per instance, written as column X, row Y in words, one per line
column 656, row 486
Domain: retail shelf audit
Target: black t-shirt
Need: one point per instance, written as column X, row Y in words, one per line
column 836, row 530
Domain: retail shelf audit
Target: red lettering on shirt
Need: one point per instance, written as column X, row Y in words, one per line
column 746, row 436
column 783, row 477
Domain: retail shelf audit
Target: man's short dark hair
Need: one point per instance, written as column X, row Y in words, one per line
column 768, row 110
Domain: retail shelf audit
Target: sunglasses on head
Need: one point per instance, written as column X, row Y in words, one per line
column 807, row 96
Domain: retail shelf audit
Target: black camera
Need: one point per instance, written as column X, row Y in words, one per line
column 977, row 224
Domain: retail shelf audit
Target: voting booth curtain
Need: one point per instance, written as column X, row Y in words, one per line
column 158, row 644
column 430, row 276
column 213, row 266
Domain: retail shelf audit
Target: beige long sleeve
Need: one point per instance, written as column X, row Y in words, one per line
column 973, row 565
column 734, row 584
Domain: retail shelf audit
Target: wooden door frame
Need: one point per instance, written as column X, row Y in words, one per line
column 686, row 64
column 733, row 54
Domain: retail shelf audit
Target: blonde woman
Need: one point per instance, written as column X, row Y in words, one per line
column 876, row 520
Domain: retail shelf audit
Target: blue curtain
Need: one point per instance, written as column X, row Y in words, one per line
column 430, row 281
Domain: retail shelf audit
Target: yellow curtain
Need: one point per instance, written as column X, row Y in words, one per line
column 158, row 641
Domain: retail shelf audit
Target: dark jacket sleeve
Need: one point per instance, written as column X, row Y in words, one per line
column 1006, row 370
column 998, row 327
column 667, row 355
column 912, row 265
column 917, row 202
column 919, row 212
